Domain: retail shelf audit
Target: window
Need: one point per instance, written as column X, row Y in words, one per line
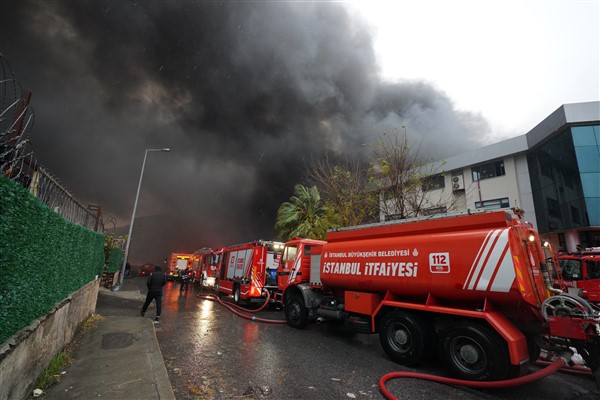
column 553, row 207
column 393, row 217
column 432, row 211
column 593, row 270
column 489, row 170
column 493, row 204
column 570, row 269
column 290, row 253
column 575, row 215
column 433, row 182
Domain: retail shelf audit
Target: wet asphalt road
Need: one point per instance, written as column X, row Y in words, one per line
column 210, row 353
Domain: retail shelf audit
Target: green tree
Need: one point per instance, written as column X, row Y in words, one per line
column 303, row 215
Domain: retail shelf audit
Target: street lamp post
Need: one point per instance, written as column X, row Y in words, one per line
column 137, row 195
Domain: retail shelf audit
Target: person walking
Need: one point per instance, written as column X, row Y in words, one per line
column 155, row 283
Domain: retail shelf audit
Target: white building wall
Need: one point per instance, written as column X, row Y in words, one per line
column 515, row 184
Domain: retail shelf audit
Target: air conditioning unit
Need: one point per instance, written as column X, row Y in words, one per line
column 458, row 183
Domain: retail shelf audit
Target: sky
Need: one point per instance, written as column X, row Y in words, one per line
column 246, row 93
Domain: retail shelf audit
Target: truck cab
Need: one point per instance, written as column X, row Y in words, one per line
column 581, row 274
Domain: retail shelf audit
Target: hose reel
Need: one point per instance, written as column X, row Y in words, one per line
column 567, row 305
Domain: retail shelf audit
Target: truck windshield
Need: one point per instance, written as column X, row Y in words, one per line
column 570, row 269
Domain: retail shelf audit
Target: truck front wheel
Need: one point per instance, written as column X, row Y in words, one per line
column 296, row 313
column 474, row 352
column 406, row 338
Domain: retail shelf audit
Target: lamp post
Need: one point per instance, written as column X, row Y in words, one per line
column 137, row 195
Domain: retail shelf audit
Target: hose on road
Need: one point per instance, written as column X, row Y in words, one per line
column 522, row 380
column 232, row 308
column 558, row 364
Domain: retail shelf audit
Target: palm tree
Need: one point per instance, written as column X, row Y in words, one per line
column 304, row 216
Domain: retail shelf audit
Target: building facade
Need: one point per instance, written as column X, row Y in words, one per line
column 552, row 173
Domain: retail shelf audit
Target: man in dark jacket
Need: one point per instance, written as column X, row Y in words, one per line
column 186, row 277
column 155, row 283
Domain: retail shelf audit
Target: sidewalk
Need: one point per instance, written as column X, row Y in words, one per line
column 117, row 358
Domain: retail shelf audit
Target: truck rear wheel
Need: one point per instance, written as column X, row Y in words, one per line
column 476, row 353
column 296, row 313
column 236, row 294
column 406, row 338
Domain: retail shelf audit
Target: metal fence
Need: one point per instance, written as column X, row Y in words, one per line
column 17, row 159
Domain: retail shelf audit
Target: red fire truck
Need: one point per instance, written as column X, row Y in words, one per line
column 476, row 287
column 580, row 274
column 205, row 265
column 176, row 263
column 246, row 269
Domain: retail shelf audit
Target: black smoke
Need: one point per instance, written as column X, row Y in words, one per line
column 242, row 92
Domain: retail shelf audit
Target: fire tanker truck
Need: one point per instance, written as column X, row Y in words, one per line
column 248, row 269
column 475, row 289
column 580, row 274
column 205, row 266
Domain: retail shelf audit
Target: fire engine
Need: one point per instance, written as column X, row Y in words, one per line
column 580, row 274
column 246, row 269
column 176, row 263
column 475, row 288
column 205, row 266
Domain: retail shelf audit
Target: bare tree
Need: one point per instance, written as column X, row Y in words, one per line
column 404, row 180
column 345, row 189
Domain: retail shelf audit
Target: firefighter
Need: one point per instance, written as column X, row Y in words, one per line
column 186, row 277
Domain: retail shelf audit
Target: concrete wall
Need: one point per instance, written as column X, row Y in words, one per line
column 26, row 355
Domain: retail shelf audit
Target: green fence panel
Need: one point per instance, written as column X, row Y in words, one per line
column 115, row 260
column 43, row 258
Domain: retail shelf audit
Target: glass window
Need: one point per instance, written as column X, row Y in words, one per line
column 487, row 171
column 290, row 253
column 584, row 136
column 557, row 184
column 553, row 207
column 570, row 269
column 433, row 182
column 575, row 215
column 493, row 204
column 593, row 269
column 591, row 184
column 593, row 208
column 588, row 158
column 435, row 210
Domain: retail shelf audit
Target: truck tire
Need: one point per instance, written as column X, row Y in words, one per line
column 406, row 338
column 296, row 313
column 236, row 294
column 476, row 353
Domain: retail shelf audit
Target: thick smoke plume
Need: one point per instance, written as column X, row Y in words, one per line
column 242, row 92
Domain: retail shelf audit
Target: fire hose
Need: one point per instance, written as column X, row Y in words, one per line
column 553, row 367
column 558, row 364
column 232, row 308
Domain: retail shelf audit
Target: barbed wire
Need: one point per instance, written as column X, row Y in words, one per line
column 18, row 161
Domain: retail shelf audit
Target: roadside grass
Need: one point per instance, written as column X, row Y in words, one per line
column 52, row 374
column 64, row 357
